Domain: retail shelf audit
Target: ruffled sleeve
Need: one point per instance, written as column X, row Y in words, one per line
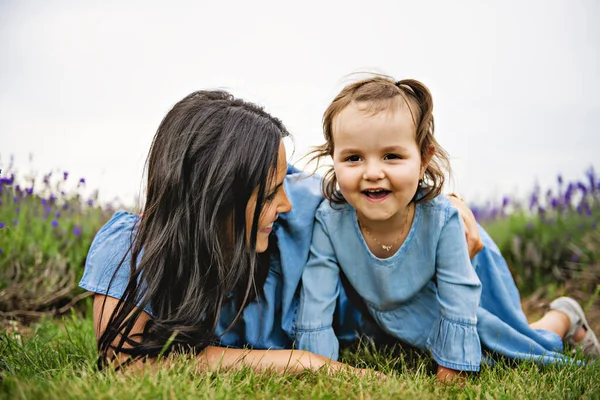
column 454, row 341
column 455, row 344
column 104, row 272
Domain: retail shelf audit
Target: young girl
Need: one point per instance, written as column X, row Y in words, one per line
column 399, row 243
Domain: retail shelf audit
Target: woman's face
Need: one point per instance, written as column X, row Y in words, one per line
column 276, row 202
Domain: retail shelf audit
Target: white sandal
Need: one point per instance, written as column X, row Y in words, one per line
column 571, row 308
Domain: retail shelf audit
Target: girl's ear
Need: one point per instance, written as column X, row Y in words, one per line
column 426, row 157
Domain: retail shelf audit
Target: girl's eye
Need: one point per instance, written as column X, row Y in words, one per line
column 353, row 159
column 392, row 157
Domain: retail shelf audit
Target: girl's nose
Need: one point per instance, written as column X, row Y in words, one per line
column 373, row 172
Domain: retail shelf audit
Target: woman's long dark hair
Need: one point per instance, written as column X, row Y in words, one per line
column 190, row 248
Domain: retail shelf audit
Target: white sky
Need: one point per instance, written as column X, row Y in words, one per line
column 84, row 84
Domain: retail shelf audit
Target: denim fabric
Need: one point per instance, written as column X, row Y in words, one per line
column 265, row 323
column 428, row 294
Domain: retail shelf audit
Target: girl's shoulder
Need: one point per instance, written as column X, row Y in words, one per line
column 437, row 210
column 440, row 203
column 330, row 209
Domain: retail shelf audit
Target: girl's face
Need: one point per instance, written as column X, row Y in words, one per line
column 376, row 160
column 276, row 202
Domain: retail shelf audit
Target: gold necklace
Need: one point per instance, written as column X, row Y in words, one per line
column 387, row 248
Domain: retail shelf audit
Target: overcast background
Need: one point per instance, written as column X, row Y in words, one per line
column 84, row 84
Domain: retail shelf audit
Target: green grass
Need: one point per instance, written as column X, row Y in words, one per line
column 41, row 262
column 57, row 360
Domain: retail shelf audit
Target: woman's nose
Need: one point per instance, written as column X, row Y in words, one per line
column 285, row 205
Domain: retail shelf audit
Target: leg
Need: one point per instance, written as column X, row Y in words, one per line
column 567, row 319
column 559, row 323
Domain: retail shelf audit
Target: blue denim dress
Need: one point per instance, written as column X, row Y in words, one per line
column 265, row 323
column 428, row 294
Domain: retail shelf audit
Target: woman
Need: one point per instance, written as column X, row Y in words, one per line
column 200, row 269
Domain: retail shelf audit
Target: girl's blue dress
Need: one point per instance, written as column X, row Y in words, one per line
column 428, row 294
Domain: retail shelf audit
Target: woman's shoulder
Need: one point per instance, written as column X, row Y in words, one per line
column 107, row 253
column 115, row 232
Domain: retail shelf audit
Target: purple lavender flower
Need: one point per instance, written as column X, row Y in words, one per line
column 569, row 194
column 65, row 175
column 90, row 202
column 15, row 199
column 560, row 180
column 587, row 208
column 47, row 178
column 57, row 214
column 2, row 225
column 52, row 198
column 582, row 187
column 47, row 209
column 554, row 203
column 0, row 250
column 505, row 201
column 533, row 201
column 575, row 257
column 542, row 211
column 44, row 202
column 76, row 231
column 54, row 223
column 591, row 175
column 15, row 222
column 29, row 191
column 65, row 206
column 82, row 181
column 17, row 210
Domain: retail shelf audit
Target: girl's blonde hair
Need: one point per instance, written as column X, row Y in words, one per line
column 382, row 92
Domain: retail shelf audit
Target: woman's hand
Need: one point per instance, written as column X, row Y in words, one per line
column 447, row 375
column 471, row 229
column 277, row 361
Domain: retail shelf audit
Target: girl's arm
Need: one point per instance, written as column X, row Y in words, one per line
column 318, row 296
column 454, row 340
column 217, row 358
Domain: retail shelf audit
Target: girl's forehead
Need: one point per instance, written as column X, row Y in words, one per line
column 358, row 116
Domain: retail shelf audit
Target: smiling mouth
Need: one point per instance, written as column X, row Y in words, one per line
column 376, row 194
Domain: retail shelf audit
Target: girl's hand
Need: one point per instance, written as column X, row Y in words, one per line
column 447, row 375
column 471, row 229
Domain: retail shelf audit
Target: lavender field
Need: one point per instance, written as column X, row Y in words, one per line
column 549, row 239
